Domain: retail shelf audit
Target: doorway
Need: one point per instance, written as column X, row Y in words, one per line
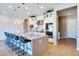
column 67, row 26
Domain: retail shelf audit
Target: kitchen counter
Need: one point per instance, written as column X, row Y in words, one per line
column 39, row 43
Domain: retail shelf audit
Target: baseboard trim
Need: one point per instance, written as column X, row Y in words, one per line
column 77, row 49
column 55, row 43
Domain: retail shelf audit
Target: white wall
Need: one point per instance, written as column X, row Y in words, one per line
column 72, row 27
column 77, row 26
column 7, row 24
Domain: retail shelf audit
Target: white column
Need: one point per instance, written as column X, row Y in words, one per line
column 55, row 31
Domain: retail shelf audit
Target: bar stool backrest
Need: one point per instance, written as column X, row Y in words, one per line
column 22, row 39
column 11, row 36
column 15, row 37
column 5, row 33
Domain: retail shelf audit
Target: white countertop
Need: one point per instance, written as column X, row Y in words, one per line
column 31, row 36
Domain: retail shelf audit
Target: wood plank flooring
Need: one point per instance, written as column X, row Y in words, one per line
column 65, row 47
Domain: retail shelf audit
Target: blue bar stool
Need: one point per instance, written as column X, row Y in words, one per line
column 23, row 43
column 14, row 42
column 26, row 47
column 7, row 38
column 10, row 39
column 17, row 46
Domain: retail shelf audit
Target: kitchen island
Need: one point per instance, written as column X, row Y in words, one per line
column 38, row 45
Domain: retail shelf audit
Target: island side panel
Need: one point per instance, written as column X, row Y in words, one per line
column 39, row 45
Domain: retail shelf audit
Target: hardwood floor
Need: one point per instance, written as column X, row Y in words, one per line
column 65, row 47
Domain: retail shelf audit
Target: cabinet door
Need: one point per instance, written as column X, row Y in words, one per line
column 63, row 26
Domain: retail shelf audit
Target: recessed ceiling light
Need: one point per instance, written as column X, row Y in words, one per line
column 4, row 12
column 41, row 7
column 26, row 8
column 10, row 6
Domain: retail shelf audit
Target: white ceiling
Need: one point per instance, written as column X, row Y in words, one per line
column 34, row 9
